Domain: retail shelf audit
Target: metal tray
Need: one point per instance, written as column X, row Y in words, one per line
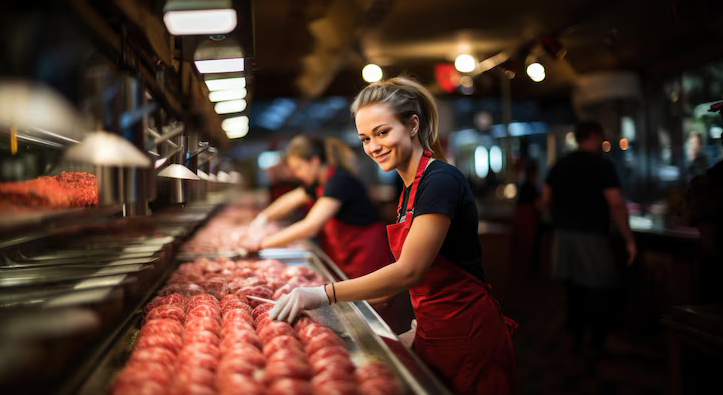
column 91, row 261
column 40, row 296
column 48, row 275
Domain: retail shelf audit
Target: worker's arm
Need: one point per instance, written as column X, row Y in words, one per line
column 619, row 213
column 285, row 205
column 323, row 210
column 421, row 246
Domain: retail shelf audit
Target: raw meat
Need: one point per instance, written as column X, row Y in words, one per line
column 160, row 355
column 260, row 309
column 312, row 330
column 327, row 352
column 161, row 326
column 321, row 341
column 290, row 387
column 169, row 341
column 280, row 343
column 293, row 368
column 167, row 311
column 334, row 362
column 239, row 384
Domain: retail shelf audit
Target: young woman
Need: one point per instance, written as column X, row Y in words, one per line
column 461, row 334
column 343, row 217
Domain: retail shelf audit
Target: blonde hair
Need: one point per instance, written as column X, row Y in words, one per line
column 406, row 97
column 329, row 150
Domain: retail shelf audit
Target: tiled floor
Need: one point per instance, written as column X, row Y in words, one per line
column 632, row 363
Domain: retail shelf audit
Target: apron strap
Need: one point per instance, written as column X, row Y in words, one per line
column 320, row 188
column 413, row 193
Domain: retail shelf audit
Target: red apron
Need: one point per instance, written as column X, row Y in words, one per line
column 357, row 250
column 461, row 334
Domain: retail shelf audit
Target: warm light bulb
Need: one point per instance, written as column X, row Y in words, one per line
column 536, row 72
column 195, row 22
column 623, row 144
column 465, row 63
column 606, row 146
column 372, row 73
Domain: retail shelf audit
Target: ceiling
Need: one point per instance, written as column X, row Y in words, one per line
column 293, row 37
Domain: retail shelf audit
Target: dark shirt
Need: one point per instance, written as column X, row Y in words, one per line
column 578, row 201
column 528, row 194
column 356, row 207
column 444, row 190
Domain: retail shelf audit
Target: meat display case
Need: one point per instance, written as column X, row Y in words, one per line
column 119, row 273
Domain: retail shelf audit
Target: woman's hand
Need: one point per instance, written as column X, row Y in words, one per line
column 304, row 298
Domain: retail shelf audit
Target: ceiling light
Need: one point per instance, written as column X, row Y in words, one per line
column 228, row 107
column 196, row 22
column 465, row 63
column 234, row 123
column 496, row 159
column 220, row 65
column 226, row 83
column 606, row 146
column 237, row 132
column 372, row 73
column 230, row 94
column 536, row 72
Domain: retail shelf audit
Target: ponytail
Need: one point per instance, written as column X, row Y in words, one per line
column 406, row 98
column 330, row 151
column 339, row 155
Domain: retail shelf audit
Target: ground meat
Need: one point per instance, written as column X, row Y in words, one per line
column 336, row 388
column 160, row 355
column 333, row 375
column 238, row 315
column 192, row 389
column 161, row 326
column 240, row 336
column 215, row 287
column 142, row 378
column 230, row 302
column 290, row 387
column 232, row 326
column 238, row 365
column 204, row 311
column 263, row 321
column 239, row 384
column 169, row 341
column 192, row 349
column 167, row 311
column 195, row 324
column 302, row 322
column 171, row 299
column 373, row 370
column 322, row 341
column 280, row 343
column 379, row 386
column 186, row 374
column 201, row 336
column 260, row 291
column 312, row 330
column 260, row 309
column 283, row 354
column 334, row 362
column 327, row 352
column 247, row 352
column 292, row 368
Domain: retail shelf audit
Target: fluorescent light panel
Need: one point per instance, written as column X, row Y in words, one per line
column 195, row 22
column 226, row 84
column 230, row 94
column 228, row 107
column 220, row 65
column 235, row 123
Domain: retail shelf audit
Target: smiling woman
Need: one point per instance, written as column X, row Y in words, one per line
column 461, row 334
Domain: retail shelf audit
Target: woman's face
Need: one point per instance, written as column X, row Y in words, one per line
column 386, row 139
column 303, row 170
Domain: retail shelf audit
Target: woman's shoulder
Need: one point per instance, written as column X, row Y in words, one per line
column 442, row 174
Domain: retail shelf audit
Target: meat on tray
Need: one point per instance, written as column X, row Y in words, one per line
column 66, row 190
column 201, row 335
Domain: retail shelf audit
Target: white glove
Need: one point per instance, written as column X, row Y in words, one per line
column 259, row 222
column 305, row 298
column 407, row 338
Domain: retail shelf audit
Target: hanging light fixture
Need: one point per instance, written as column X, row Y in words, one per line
column 236, row 127
column 536, row 72
column 372, row 73
column 196, row 17
column 226, row 84
column 220, row 65
column 231, row 106
column 465, row 63
column 226, row 95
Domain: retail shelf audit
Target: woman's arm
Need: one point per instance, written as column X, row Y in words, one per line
column 421, row 246
column 285, row 204
column 323, row 210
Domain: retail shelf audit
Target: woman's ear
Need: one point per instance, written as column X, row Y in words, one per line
column 414, row 125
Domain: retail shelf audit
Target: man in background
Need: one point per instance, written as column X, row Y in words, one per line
column 583, row 191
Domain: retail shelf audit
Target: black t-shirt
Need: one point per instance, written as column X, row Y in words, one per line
column 578, row 202
column 356, row 207
column 444, row 190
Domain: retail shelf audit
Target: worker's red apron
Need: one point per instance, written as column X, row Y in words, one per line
column 461, row 334
column 357, row 250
